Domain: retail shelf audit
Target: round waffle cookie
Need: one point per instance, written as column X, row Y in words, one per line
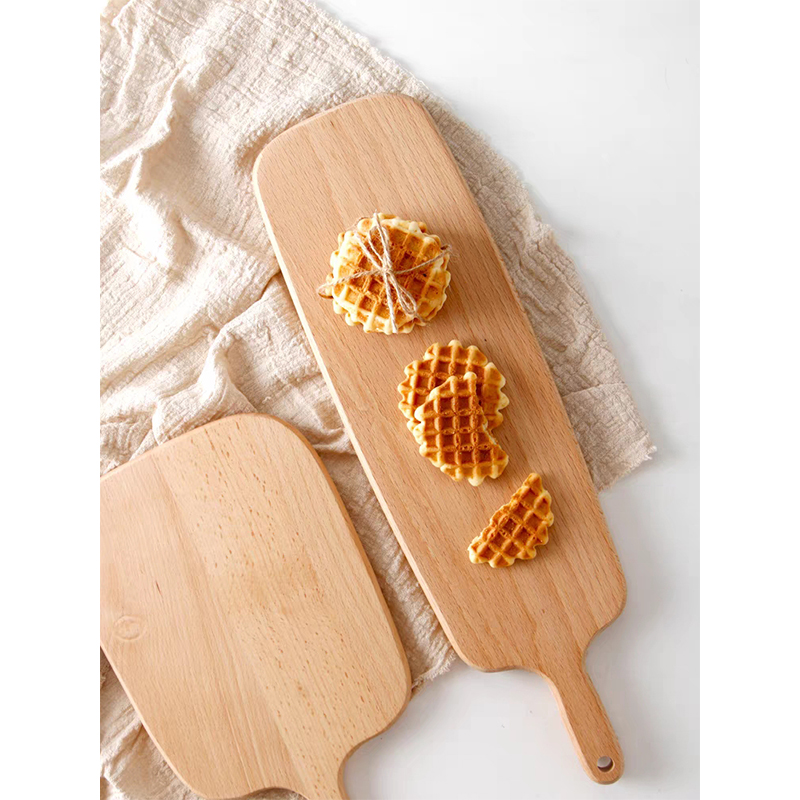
column 439, row 363
column 452, row 433
column 517, row 528
column 362, row 300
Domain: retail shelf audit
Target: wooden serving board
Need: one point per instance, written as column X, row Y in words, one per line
column 240, row 613
column 384, row 152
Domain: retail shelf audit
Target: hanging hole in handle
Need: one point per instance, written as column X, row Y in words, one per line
column 604, row 763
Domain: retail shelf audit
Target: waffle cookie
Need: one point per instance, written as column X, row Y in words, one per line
column 363, row 299
column 441, row 362
column 452, row 432
column 517, row 528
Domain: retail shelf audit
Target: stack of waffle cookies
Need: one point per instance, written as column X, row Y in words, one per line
column 358, row 289
column 442, row 362
column 453, row 433
column 452, row 399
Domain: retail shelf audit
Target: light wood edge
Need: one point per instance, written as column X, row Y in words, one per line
column 226, row 422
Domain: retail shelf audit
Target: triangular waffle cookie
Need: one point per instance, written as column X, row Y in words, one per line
column 452, row 433
column 363, row 299
column 439, row 363
column 517, row 528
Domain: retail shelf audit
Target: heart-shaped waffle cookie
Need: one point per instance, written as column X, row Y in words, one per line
column 439, row 363
column 452, row 432
column 517, row 528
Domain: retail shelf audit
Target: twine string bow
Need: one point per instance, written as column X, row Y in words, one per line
column 384, row 269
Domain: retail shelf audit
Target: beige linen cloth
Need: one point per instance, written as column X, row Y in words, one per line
column 196, row 321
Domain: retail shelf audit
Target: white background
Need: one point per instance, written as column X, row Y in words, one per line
column 596, row 105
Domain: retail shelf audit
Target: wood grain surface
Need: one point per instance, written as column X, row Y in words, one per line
column 240, row 613
column 384, row 152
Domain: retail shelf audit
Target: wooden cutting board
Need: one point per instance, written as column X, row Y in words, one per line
column 240, row 613
column 384, row 152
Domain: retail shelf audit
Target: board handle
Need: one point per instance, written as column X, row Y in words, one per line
column 588, row 724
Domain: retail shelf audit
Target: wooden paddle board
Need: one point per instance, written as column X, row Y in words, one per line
column 240, row 613
column 384, row 152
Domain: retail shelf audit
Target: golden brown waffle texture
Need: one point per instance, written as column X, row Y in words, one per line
column 439, row 363
column 452, row 432
column 362, row 299
column 517, row 528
